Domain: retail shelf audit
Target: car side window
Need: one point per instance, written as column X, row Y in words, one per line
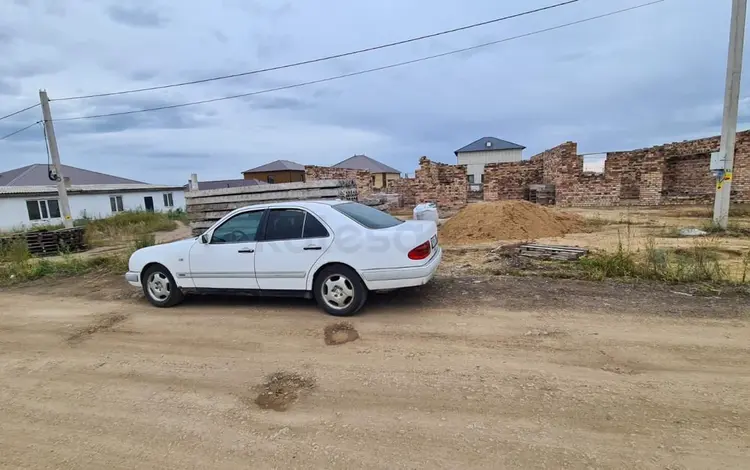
column 284, row 224
column 239, row 229
column 314, row 228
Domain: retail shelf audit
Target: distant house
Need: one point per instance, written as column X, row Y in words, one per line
column 381, row 173
column 483, row 151
column 28, row 197
column 279, row 171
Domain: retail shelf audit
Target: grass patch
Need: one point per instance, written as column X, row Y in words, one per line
column 178, row 215
column 14, row 250
column 127, row 226
column 699, row 263
column 68, row 265
column 23, row 269
column 733, row 230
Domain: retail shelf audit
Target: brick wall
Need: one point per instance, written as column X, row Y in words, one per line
column 437, row 182
column 510, row 180
column 363, row 178
column 675, row 173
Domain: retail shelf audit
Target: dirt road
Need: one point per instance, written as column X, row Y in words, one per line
column 464, row 373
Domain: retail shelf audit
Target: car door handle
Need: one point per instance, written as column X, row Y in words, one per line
column 313, row 247
column 246, row 250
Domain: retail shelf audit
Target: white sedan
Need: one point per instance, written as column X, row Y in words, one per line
column 335, row 251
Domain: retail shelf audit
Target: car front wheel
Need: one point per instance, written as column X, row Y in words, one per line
column 339, row 291
column 160, row 288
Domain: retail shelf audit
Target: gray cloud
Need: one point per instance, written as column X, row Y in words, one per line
column 135, row 16
column 641, row 78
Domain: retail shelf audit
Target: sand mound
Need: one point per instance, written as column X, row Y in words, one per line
column 506, row 220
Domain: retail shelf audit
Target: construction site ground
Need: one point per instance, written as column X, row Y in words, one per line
column 629, row 228
column 465, row 372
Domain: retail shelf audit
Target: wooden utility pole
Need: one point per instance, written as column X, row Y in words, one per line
column 62, row 191
column 723, row 162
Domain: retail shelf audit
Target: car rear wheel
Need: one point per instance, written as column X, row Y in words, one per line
column 339, row 291
column 160, row 288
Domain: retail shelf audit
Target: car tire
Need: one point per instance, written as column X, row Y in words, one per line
column 159, row 287
column 339, row 290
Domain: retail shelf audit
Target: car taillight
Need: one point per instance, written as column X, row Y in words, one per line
column 420, row 252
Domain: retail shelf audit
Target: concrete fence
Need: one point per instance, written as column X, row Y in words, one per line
column 206, row 207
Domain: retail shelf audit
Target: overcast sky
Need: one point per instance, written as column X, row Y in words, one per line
column 641, row 78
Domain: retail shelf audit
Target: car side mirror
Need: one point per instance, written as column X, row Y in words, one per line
column 204, row 239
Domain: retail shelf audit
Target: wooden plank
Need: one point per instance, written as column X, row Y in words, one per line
column 265, row 188
column 552, row 247
column 276, row 196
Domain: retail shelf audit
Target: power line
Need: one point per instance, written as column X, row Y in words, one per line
column 362, row 72
column 19, row 111
column 19, row 130
column 320, row 59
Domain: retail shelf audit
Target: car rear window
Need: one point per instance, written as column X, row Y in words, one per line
column 367, row 216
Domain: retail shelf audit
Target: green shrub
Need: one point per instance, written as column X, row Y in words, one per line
column 14, row 250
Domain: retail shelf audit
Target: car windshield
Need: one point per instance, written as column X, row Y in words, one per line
column 367, row 216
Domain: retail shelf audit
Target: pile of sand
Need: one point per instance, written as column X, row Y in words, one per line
column 506, row 220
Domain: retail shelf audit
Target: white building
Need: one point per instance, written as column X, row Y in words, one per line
column 483, row 151
column 28, row 197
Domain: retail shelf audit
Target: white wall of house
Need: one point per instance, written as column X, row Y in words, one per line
column 14, row 213
column 475, row 161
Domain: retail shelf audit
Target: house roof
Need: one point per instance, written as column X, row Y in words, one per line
column 37, row 175
column 216, row 184
column 363, row 162
column 481, row 145
column 278, row 165
column 85, row 188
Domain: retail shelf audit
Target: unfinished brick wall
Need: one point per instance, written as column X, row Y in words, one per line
column 510, row 180
column 686, row 179
column 363, row 178
column 437, row 182
column 676, row 173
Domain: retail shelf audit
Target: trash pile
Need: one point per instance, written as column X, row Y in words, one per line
column 506, row 220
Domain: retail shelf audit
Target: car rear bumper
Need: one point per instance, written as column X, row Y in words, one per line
column 134, row 279
column 396, row 278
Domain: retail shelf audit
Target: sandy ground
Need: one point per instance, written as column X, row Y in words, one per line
column 462, row 373
column 634, row 228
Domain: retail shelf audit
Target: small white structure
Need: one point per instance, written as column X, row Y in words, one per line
column 483, row 151
column 29, row 198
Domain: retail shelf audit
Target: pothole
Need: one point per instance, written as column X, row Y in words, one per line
column 339, row 333
column 282, row 389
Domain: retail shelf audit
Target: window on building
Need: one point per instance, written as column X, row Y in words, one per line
column 470, row 178
column 482, row 180
column 270, row 179
column 168, row 200
column 43, row 209
column 115, row 203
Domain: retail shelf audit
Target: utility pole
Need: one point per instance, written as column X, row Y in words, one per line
column 723, row 162
column 49, row 129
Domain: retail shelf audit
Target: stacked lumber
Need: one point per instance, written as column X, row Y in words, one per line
column 556, row 252
column 48, row 242
column 206, row 207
